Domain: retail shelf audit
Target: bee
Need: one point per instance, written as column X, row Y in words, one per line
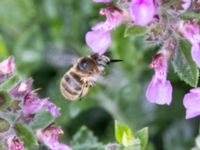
column 76, row 82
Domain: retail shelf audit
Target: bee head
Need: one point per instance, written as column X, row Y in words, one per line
column 87, row 65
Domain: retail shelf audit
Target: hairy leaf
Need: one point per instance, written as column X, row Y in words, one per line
column 183, row 64
column 85, row 139
column 134, row 31
column 25, row 134
column 42, row 119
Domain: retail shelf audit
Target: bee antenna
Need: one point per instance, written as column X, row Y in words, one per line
column 114, row 61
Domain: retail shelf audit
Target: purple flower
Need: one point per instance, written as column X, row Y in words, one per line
column 99, row 39
column 102, row 1
column 186, row 4
column 190, row 31
column 21, row 89
column 142, row 11
column 7, row 68
column 15, row 144
column 159, row 90
column 196, row 53
column 191, row 102
column 32, row 104
column 49, row 137
column 114, row 16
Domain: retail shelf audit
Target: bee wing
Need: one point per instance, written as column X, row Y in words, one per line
column 60, row 58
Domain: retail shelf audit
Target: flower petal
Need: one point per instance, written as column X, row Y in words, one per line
column 98, row 40
column 191, row 102
column 7, row 68
column 21, row 89
column 159, row 92
column 196, row 53
column 102, row 1
column 142, row 11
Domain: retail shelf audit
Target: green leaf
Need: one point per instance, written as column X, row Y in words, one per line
column 190, row 15
column 135, row 31
column 42, row 119
column 10, row 82
column 85, row 139
column 143, row 136
column 123, row 134
column 3, row 49
column 26, row 135
column 5, row 99
column 184, row 65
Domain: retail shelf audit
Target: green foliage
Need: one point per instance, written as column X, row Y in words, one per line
column 134, row 30
column 184, row 65
column 10, row 82
column 41, row 120
column 3, row 49
column 5, row 99
column 26, row 135
column 190, row 15
column 123, row 134
column 143, row 135
column 84, row 139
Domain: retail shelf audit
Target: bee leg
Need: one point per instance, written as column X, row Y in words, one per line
column 80, row 96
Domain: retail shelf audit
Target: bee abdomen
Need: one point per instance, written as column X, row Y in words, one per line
column 70, row 88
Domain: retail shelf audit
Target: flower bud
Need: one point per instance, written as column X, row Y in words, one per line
column 4, row 125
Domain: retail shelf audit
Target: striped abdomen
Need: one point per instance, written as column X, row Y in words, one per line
column 71, row 86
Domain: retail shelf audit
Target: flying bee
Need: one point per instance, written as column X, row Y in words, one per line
column 82, row 75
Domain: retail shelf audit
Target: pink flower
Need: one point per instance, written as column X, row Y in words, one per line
column 99, row 39
column 190, row 31
column 102, row 1
column 21, row 89
column 15, row 144
column 186, row 4
column 196, row 53
column 49, row 137
column 191, row 102
column 32, row 104
column 6, row 68
column 142, row 11
column 114, row 16
column 159, row 90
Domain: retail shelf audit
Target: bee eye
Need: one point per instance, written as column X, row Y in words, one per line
column 85, row 64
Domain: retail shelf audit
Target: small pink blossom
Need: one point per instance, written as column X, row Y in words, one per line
column 21, row 89
column 32, row 104
column 142, row 11
column 102, row 1
column 15, row 144
column 99, row 39
column 159, row 90
column 186, row 4
column 49, row 136
column 114, row 16
column 191, row 102
column 6, row 68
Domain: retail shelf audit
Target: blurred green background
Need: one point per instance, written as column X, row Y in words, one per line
column 45, row 36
